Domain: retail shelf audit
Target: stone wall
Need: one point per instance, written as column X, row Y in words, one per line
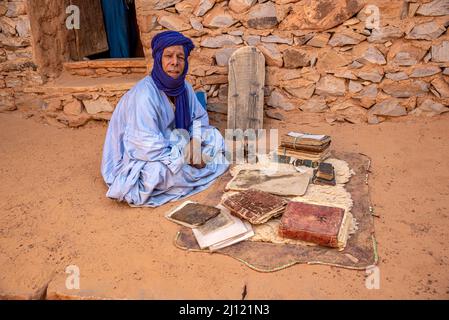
column 17, row 64
column 356, row 61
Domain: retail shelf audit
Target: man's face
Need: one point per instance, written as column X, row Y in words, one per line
column 173, row 61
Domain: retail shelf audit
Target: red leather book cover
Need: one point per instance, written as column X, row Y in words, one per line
column 312, row 223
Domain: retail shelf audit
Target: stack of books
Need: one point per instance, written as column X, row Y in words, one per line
column 324, row 174
column 314, row 147
column 213, row 227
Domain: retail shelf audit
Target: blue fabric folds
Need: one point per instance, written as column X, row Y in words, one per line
column 116, row 24
column 172, row 87
column 143, row 159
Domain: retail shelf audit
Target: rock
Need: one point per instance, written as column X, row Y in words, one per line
column 7, row 102
column 446, row 71
column 222, row 56
column 429, row 108
column 185, row 7
column 74, row 121
column 96, row 106
column 277, row 39
column 220, row 41
column 162, row 4
column 368, row 92
column 273, row 114
column 273, row 56
column 372, row 119
column 295, row 58
column 300, row 88
column 355, row 65
column 218, row 17
column 441, row 87
column 320, row 40
column 196, row 24
column 355, row 115
column 355, row 86
column 320, row 15
column 173, row 22
column 301, row 40
column 407, row 55
column 389, row 107
column 373, row 75
column 279, row 100
column 346, row 74
column 351, row 22
column 331, row 59
column 426, row 31
column 3, row 8
column 314, row 104
column 203, row 7
column 8, row 26
column 405, row 89
column 214, row 79
column 147, row 23
column 73, row 108
column 434, row 8
column 412, row 8
column 251, row 40
column 236, row 33
column 373, row 55
column 397, row 76
column 424, row 71
column 239, row 6
column 330, row 86
column 16, row 8
column 263, row 16
column 347, row 37
column 440, row 52
column 384, row 34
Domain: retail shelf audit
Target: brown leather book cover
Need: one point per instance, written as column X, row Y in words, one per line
column 254, row 205
column 194, row 214
column 325, row 171
column 313, row 223
column 302, row 147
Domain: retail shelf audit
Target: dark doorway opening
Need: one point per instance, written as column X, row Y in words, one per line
column 122, row 30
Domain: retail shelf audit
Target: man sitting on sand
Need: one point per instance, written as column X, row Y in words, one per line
column 149, row 153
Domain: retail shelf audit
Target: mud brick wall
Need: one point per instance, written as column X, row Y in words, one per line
column 356, row 61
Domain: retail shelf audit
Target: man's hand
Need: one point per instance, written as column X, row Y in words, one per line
column 194, row 154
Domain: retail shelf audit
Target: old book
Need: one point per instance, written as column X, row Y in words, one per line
column 320, row 156
column 255, row 206
column 192, row 214
column 301, row 147
column 283, row 184
column 323, row 225
column 217, row 233
column 325, row 171
column 324, row 182
column 306, row 138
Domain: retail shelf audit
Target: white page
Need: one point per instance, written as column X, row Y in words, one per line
column 230, row 231
column 306, row 135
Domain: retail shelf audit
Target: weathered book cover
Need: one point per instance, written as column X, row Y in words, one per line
column 313, row 223
column 192, row 214
column 325, row 171
column 254, row 205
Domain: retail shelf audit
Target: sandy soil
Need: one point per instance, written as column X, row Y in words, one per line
column 54, row 213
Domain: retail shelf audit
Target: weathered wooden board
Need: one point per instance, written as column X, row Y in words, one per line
column 91, row 36
column 246, row 79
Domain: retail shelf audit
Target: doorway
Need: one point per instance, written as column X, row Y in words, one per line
column 109, row 30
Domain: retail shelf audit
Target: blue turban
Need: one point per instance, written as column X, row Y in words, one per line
column 172, row 87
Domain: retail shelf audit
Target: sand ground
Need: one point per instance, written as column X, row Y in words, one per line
column 54, row 213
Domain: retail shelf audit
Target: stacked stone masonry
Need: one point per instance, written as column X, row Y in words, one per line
column 355, row 61
column 352, row 60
